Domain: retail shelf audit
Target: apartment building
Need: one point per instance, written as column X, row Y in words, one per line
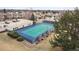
column 15, row 14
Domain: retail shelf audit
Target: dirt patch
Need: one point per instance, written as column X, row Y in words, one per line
column 9, row 44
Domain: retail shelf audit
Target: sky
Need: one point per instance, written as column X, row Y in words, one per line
column 39, row 4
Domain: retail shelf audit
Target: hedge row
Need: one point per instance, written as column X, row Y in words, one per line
column 15, row 35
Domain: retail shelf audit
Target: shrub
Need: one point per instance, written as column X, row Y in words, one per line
column 20, row 39
column 13, row 34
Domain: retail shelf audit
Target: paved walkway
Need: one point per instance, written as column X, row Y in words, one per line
column 11, row 25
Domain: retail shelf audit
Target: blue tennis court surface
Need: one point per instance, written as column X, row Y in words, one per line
column 32, row 32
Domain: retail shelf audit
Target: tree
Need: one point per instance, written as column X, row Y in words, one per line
column 67, row 31
column 4, row 10
column 5, row 16
column 33, row 18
